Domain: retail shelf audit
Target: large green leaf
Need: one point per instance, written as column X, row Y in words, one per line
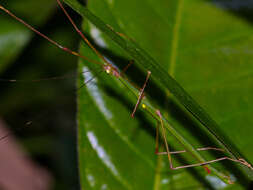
column 196, row 43
column 147, row 63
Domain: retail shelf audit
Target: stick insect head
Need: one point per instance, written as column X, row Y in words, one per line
column 109, row 69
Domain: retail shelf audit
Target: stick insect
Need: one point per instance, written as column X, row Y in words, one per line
column 141, row 100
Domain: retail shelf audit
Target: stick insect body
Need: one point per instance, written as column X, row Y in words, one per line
column 146, row 105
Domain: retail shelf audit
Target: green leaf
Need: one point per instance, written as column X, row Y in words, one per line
column 195, row 59
column 148, row 63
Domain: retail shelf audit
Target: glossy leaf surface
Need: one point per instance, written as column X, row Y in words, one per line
column 204, row 52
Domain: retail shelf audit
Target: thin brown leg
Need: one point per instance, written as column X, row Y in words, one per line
column 198, row 149
column 240, row 160
column 165, row 140
column 126, row 67
column 119, row 33
column 47, row 38
column 124, row 36
column 141, row 94
column 80, row 32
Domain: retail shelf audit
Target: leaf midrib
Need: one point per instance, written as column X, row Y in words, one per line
column 171, row 70
column 175, row 38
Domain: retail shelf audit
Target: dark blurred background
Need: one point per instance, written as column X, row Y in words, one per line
column 41, row 115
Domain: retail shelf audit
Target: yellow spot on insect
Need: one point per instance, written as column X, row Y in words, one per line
column 143, row 106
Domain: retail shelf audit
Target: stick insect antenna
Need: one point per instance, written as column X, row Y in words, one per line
column 47, row 38
column 80, row 32
column 42, row 79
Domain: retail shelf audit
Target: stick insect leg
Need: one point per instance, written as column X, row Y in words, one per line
column 141, row 94
column 240, row 160
column 198, row 149
column 124, row 36
column 126, row 67
column 119, row 33
column 164, row 138
column 47, row 38
column 80, row 32
column 168, row 152
column 167, row 148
